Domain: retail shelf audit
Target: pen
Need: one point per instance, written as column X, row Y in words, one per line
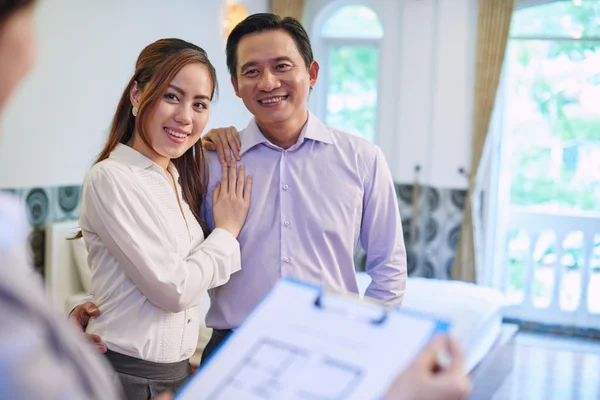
column 444, row 360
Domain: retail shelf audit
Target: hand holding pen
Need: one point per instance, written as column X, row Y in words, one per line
column 438, row 373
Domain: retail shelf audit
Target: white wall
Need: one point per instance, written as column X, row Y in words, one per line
column 427, row 83
column 254, row 6
column 58, row 121
column 453, row 92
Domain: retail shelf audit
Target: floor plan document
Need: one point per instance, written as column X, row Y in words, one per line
column 305, row 344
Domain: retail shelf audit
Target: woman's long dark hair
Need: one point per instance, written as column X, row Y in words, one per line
column 155, row 68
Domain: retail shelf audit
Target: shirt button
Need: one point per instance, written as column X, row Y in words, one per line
column 287, row 223
column 286, row 260
column 285, row 153
column 286, row 187
column 189, row 320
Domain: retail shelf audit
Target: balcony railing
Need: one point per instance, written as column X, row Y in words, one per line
column 552, row 268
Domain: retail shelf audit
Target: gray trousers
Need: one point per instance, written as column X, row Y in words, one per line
column 145, row 380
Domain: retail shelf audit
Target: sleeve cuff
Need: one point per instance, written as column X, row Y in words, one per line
column 223, row 233
column 223, row 238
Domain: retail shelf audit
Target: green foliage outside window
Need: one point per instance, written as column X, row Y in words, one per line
column 555, row 152
column 351, row 36
column 352, row 90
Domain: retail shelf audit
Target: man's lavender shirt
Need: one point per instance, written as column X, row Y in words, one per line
column 310, row 205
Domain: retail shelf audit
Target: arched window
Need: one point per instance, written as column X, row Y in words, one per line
column 350, row 40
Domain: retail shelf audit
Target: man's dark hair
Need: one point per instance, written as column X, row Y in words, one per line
column 257, row 23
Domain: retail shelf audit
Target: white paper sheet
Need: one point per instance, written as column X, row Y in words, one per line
column 302, row 344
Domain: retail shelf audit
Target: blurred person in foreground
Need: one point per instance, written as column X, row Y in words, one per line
column 41, row 356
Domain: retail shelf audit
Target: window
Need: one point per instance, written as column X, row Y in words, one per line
column 350, row 41
column 554, row 114
column 549, row 169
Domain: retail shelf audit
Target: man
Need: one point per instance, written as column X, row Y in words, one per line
column 317, row 191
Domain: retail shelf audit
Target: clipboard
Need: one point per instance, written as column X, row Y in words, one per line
column 302, row 343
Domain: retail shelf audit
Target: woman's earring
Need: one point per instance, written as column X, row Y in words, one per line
column 134, row 111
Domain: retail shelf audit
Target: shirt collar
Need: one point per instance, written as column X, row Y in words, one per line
column 251, row 136
column 314, row 129
column 137, row 160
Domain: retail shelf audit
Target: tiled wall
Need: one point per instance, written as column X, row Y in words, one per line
column 44, row 206
column 438, row 221
column 430, row 254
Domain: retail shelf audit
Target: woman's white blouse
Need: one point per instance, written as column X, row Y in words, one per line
column 150, row 264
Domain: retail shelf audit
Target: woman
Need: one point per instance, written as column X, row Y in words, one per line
column 151, row 256
column 41, row 357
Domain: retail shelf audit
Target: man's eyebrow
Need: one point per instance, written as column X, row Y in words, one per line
column 255, row 63
column 182, row 92
column 283, row 58
column 248, row 64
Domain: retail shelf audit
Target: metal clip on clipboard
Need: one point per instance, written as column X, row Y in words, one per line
column 351, row 312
